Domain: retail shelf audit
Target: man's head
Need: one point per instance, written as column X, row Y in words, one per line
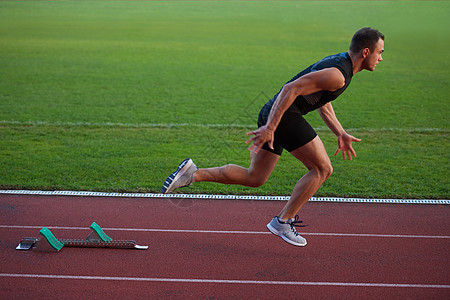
column 368, row 43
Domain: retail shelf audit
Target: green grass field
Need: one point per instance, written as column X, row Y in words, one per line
column 111, row 96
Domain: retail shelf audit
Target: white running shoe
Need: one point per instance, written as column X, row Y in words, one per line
column 287, row 230
column 182, row 177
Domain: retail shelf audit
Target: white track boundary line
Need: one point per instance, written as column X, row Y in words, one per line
column 225, row 281
column 125, row 125
column 194, row 125
column 221, row 197
column 231, row 232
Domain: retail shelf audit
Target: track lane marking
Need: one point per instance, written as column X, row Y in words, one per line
column 225, row 281
column 207, row 125
column 229, row 232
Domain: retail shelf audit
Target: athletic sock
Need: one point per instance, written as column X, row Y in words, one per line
column 282, row 220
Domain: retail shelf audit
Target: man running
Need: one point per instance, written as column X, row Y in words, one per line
column 281, row 126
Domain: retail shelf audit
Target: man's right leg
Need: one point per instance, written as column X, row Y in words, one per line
column 261, row 166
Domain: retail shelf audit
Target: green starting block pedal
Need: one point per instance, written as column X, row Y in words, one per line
column 96, row 239
column 98, row 234
column 49, row 242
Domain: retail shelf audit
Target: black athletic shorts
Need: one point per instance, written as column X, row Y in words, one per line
column 292, row 132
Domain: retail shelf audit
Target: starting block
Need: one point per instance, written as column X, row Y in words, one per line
column 96, row 239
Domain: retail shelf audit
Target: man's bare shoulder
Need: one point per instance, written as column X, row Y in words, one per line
column 330, row 79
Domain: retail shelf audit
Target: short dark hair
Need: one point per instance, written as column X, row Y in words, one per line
column 365, row 38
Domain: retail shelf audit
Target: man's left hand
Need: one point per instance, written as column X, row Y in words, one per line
column 345, row 145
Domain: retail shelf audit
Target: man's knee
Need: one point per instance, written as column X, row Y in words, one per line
column 325, row 170
column 256, row 182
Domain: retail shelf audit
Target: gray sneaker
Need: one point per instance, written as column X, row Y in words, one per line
column 182, row 177
column 287, row 231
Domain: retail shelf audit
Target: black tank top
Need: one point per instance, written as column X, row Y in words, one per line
column 307, row 103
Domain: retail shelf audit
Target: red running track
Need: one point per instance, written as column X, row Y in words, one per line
column 220, row 249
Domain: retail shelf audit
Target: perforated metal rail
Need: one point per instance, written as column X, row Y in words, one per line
column 223, row 197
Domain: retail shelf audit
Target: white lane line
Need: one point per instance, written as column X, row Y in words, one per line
column 132, row 125
column 197, row 125
column 226, row 281
column 229, row 232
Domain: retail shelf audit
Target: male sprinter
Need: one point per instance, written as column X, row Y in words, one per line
column 281, row 126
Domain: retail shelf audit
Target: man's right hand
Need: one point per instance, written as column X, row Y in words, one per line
column 260, row 136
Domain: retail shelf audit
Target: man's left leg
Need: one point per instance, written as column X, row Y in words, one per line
column 315, row 158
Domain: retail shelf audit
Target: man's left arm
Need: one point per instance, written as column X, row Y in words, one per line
column 344, row 139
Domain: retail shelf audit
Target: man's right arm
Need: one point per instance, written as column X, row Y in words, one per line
column 330, row 79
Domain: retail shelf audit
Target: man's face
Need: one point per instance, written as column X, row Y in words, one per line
column 374, row 57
